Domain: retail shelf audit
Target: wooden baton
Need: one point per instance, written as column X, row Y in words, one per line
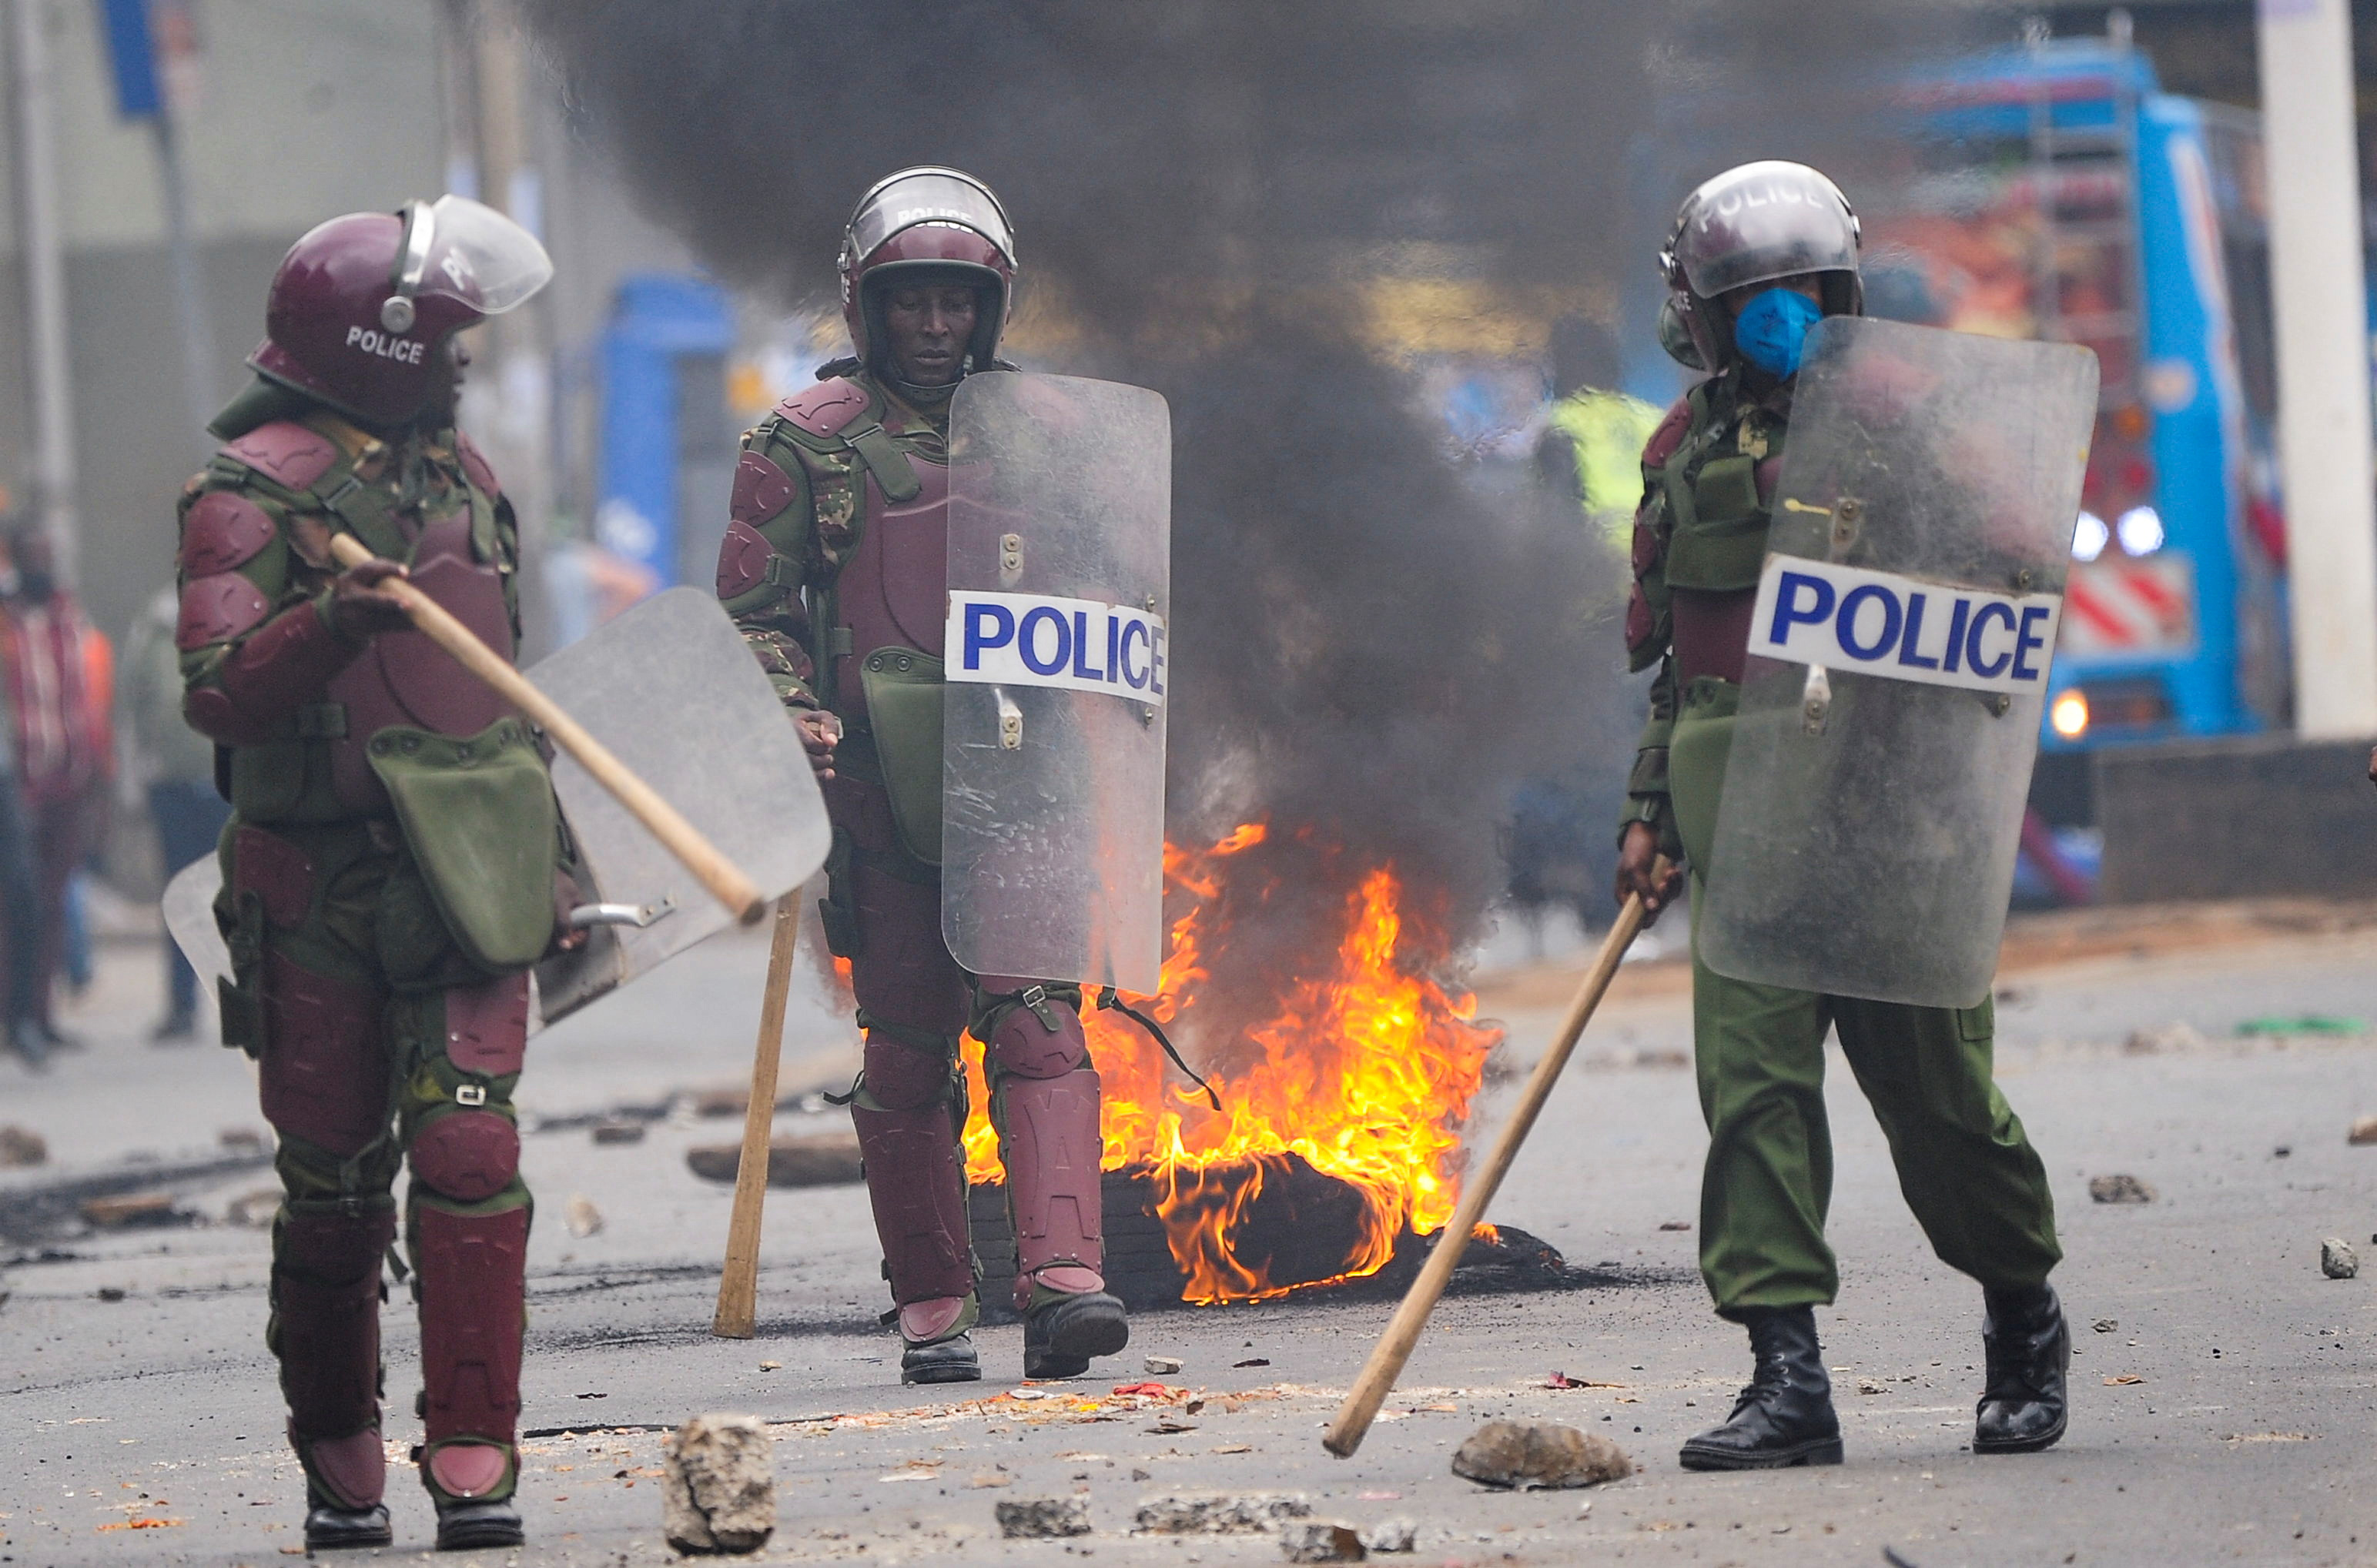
column 738, row 1284
column 1394, row 1346
column 721, row 876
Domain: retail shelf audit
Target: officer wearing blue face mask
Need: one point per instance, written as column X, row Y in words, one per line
column 1759, row 256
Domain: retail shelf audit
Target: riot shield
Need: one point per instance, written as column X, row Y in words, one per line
column 1905, row 616
column 670, row 688
column 1058, row 665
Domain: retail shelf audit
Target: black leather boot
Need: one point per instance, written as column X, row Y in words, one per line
column 330, row 1525
column 1784, row 1416
column 2027, row 1347
column 463, row 1524
column 1062, row 1335
column 953, row 1360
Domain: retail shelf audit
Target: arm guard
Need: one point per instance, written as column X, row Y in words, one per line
column 265, row 676
column 763, row 565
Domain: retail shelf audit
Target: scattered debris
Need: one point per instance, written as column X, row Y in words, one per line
column 1319, row 1540
column 2281, row 1152
column 2363, row 1133
column 1252, row 1361
column 2267, row 1437
column 819, row 1159
column 111, row 1292
column 132, row 1209
column 712, row 1104
column 1391, row 1536
column 772, row 1366
column 583, row 1218
column 1675, row 1225
column 1160, row 1366
column 1561, row 1380
column 2167, row 1039
column 2337, row 1258
column 717, row 1490
column 2107, row 1324
column 1220, row 1514
column 242, row 1140
column 1505, row 1453
column 253, row 1209
column 618, row 1130
column 1043, row 1518
column 1867, row 1386
column 2120, row 1189
column 19, row 1149
column 996, row 1476
column 2123, row 1380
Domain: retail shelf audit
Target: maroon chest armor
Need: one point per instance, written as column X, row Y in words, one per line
column 405, row 679
column 893, row 592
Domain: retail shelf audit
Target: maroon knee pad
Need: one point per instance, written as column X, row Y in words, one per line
column 326, row 1301
column 469, row 1156
column 1024, row 1043
column 472, row 1314
column 324, row 1070
column 1049, row 1141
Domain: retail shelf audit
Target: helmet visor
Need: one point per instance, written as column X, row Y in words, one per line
column 1763, row 222
column 462, row 250
column 929, row 195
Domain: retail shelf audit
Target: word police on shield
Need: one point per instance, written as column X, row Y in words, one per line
column 1902, row 628
column 1078, row 645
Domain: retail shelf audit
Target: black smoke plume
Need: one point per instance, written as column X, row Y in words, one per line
column 1374, row 647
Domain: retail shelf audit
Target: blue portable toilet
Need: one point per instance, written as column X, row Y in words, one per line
column 668, row 443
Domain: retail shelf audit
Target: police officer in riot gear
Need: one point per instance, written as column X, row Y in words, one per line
column 835, row 566
column 394, row 863
column 1757, row 256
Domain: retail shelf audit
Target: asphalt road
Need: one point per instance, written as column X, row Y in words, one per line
column 2223, row 1391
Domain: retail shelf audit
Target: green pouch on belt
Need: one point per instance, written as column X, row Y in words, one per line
column 480, row 818
column 903, row 709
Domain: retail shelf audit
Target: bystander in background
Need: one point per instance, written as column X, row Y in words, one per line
column 171, row 766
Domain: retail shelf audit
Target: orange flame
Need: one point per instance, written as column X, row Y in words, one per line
column 1359, row 1067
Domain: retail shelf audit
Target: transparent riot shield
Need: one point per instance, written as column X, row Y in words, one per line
column 189, row 910
column 1058, row 668
column 1905, row 616
column 671, row 690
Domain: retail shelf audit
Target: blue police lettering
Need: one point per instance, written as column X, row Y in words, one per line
column 2026, row 640
column 1787, row 611
column 1155, row 661
column 978, row 619
column 1992, row 669
column 1113, row 636
column 1954, row 656
column 1845, row 624
column 1081, row 648
column 1027, row 640
column 1135, row 679
column 1908, row 651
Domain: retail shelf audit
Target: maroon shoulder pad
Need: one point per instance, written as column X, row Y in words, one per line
column 1668, row 435
column 761, row 488
column 826, row 408
column 285, row 453
column 217, row 609
column 475, row 463
column 1640, row 622
column 221, row 530
column 742, row 559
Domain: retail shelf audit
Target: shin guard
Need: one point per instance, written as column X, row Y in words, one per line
column 473, row 1310
column 1045, row 1101
column 325, row 1329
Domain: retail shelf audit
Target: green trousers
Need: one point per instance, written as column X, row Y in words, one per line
column 1964, row 1165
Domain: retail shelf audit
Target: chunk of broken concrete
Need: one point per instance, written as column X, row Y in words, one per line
column 583, row 1218
column 1043, row 1518
column 718, row 1489
column 818, row 1160
column 19, row 1147
column 1320, row 1540
column 1505, row 1453
column 1220, row 1514
column 125, row 1211
column 2120, row 1189
column 1163, row 1366
column 1390, row 1536
column 2337, row 1260
column 2363, row 1133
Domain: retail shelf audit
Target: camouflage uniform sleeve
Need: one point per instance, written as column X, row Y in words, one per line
column 767, row 559
column 1650, row 637
column 254, row 635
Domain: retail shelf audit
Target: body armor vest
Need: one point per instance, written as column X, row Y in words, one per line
column 893, row 592
column 403, row 678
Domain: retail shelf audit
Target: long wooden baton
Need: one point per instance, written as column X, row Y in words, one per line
column 678, row 836
column 738, row 1286
column 1394, row 1346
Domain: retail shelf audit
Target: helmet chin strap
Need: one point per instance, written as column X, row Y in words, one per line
column 923, row 397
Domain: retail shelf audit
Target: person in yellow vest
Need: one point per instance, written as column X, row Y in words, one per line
column 1593, row 438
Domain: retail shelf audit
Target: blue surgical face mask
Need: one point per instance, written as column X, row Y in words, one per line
column 1773, row 328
